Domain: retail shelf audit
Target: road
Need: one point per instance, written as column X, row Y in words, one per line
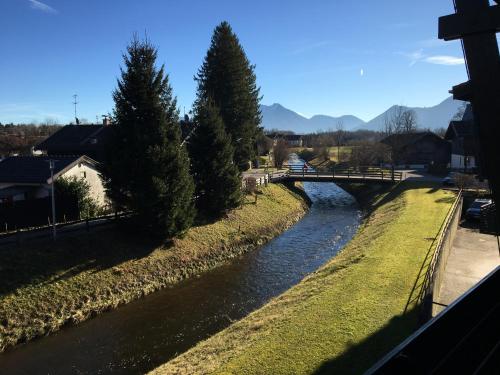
column 472, row 257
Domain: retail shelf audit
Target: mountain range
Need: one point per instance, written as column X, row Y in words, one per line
column 276, row 116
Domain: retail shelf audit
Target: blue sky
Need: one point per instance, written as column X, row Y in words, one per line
column 316, row 57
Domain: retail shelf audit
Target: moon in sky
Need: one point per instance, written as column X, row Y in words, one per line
column 362, row 72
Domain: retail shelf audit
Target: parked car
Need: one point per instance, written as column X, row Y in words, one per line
column 474, row 211
column 449, row 180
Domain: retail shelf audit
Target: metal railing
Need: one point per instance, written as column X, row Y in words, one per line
column 22, row 234
column 429, row 287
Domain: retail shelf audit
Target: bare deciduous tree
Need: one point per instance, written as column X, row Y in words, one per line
column 264, row 144
column 339, row 137
column 322, row 152
column 409, row 121
column 50, row 121
column 440, row 131
column 368, row 153
column 280, row 153
column 400, row 121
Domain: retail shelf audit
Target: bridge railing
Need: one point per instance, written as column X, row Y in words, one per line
column 362, row 173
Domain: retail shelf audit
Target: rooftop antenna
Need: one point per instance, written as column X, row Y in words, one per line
column 75, row 96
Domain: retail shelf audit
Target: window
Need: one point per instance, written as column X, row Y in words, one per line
column 83, row 174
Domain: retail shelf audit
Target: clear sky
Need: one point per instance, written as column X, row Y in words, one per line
column 330, row 57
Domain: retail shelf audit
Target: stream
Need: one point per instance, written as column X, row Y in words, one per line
column 146, row 333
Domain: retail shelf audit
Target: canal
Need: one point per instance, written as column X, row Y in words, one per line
column 141, row 335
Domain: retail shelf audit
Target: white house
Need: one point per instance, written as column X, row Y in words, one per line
column 292, row 140
column 29, row 177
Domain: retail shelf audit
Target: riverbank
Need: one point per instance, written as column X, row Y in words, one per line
column 46, row 286
column 345, row 316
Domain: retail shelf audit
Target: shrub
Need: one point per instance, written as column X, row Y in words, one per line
column 250, row 184
column 306, row 155
column 73, row 190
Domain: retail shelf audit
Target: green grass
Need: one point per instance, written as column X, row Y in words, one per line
column 344, row 317
column 44, row 286
column 346, row 150
column 320, row 162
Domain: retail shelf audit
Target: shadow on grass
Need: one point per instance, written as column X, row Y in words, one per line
column 434, row 189
column 48, row 262
column 367, row 194
column 360, row 357
column 450, row 199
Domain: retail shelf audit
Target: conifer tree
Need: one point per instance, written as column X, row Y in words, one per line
column 147, row 168
column 218, row 183
column 228, row 78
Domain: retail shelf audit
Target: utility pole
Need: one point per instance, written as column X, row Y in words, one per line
column 75, row 96
column 51, row 166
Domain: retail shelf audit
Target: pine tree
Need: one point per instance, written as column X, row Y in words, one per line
column 218, row 183
column 147, row 168
column 228, row 78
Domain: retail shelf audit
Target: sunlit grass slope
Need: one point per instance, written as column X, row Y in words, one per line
column 345, row 316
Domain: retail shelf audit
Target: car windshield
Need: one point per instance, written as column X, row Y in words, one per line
column 478, row 204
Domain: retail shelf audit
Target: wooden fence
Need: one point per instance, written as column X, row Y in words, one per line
column 348, row 173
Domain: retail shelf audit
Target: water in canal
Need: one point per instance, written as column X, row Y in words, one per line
column 141, row 335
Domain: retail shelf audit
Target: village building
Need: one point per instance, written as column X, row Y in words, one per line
column 418, row 150
column 78, row 140
column 29, row 177
column 292, row 140
column 463, row 143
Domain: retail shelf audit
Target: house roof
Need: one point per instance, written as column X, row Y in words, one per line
column 405, row 139
column 286, row 136
column 468, row 115
column 35, row 169
column 77, row 139
column 293, row 137
column 461, row 129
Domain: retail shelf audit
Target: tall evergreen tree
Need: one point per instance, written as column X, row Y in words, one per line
column 218, row 183
column 147, row 168
column 228, row 78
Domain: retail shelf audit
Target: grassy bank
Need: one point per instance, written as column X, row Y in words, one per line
column 44, row 286
column 333, row 154
column 345, row 316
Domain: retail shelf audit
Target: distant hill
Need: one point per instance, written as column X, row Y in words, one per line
column 276, row 116
column 435, row 117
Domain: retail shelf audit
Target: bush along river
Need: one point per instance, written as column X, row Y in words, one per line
column 141, row 335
